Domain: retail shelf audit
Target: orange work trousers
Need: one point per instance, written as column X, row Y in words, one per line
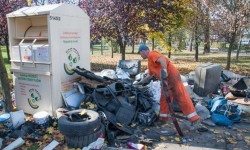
column 180, row 95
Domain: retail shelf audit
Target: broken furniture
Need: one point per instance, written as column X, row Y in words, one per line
column 46, row 43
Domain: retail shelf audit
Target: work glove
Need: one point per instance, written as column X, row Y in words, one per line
column 164, row 75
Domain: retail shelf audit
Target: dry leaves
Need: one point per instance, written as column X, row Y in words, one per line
column 83, row 112
column 163, row 138
column 119, row 124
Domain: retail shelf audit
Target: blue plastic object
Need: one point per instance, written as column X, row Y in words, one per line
column 4, row 117
column 219, row 119
column 217, row 101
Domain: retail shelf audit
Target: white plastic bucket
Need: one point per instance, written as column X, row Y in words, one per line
column 41, row 118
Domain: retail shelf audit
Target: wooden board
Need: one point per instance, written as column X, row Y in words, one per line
column 238, row 100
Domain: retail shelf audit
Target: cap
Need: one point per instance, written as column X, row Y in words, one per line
column 142, row 47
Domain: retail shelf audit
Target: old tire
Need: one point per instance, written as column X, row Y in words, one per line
column 69, row 128
column 82, row 141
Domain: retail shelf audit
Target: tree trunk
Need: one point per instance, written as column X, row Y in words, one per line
column 133, row 46
column 7, row 48
column 191, row 40
column 5, row 85
column 196, row 44
column 112, row 51
column 144, row 41
column 206, row 33
column 153, row 43
column 122, row 49
column 169, row 43
column 230, row 50
column 238, row 50
column 101, row 47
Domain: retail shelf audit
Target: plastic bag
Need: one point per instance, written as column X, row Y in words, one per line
column 121, row 74
column 221, row 120
column 95, row 145
column 217, row 101
column 155, row 90
column 202, row 111
column 108, row 73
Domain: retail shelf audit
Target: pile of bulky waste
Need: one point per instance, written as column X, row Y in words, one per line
column 110, row 110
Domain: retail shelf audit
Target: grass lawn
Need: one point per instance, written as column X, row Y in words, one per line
column 183, row 60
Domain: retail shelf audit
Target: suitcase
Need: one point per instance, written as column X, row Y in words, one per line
column 207, row 79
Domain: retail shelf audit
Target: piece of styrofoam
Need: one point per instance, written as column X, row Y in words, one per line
column 18, row 142
column 51, row 145
column 17, row 118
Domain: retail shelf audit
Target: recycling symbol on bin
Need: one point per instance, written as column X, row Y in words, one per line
column 34, row 99
column 72, row 60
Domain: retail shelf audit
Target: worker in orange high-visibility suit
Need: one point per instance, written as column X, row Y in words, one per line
column 156, row 62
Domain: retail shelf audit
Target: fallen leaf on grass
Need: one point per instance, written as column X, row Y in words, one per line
column 40, row 143
column 78, row 149
column 163, row 138
column 50, row 129
column 45, row 136
column 28, row 143
column 237, row 149
column 212, row 130
column 247, row 137
column 146, row 129
column 54, row 123
column 222, row 140
column 82, row 103
column 227, row 133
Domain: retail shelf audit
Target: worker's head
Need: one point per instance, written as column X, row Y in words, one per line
column 143, row 51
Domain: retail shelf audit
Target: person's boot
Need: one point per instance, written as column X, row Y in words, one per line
column 195, row 124
column 186, row 125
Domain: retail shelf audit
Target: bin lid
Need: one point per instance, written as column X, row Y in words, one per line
column 54, row 9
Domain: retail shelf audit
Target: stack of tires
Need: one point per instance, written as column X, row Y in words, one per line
column 81, row 134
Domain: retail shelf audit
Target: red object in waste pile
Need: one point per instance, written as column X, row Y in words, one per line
column 224, row 90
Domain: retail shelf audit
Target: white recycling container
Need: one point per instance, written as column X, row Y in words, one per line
column 46, row 43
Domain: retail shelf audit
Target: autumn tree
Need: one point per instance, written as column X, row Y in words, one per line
column 229, row 18
column 124, row 19
column 7, row 6
column 196, row 23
